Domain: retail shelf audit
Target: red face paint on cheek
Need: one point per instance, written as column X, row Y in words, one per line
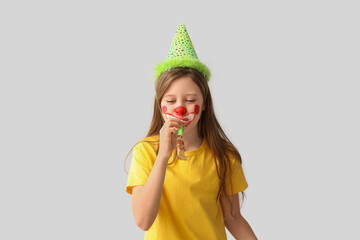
column 164, row 109
column 197, row 109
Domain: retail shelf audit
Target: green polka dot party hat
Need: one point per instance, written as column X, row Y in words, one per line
column 182, row 54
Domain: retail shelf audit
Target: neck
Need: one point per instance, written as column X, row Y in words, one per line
column 192, row 140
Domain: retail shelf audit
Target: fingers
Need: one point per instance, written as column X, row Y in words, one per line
column 174, row 131
column 175, row 123
column 171, row 126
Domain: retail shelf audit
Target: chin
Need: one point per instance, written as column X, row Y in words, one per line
column 190, row 127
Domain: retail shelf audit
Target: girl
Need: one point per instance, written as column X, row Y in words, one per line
column 196, row 197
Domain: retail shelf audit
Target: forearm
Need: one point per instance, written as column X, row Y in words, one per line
column 147, row 203
column 240, row 228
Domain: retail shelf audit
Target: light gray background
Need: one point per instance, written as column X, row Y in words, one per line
column 76, row 93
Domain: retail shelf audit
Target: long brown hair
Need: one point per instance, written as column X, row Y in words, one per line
column 218, row 142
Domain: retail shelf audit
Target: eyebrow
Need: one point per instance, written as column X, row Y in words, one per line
column 188, row 94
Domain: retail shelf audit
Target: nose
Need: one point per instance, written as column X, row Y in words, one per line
column 180, row 110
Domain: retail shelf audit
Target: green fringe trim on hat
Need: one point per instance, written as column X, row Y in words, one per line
column 182, row 62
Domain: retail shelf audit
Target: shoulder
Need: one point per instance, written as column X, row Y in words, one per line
column 232, row 152
column 154, row 138
column 149, row 141
column 148, row 145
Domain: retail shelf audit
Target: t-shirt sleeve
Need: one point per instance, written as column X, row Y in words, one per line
column 140, row 167
column 238, row 181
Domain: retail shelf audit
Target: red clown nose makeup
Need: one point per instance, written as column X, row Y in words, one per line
column 180, row 110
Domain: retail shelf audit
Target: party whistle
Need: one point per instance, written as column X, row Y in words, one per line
column 180, row 145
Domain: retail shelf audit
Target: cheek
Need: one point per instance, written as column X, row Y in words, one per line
column 164, row 109
column 197, row 109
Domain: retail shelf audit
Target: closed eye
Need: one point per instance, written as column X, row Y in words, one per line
column 170, row 101
column 174, row 101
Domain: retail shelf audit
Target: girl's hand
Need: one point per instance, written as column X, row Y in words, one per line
column 168, row 135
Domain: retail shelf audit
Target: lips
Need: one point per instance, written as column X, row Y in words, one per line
column 188, row 118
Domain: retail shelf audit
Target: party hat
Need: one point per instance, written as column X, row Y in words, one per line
column 182, row 54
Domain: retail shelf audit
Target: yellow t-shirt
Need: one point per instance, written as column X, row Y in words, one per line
column 188, row 208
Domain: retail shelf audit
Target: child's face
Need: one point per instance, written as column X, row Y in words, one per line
column 183, row 100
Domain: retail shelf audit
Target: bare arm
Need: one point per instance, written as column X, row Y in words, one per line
column 235, row 222
column 146, row 198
